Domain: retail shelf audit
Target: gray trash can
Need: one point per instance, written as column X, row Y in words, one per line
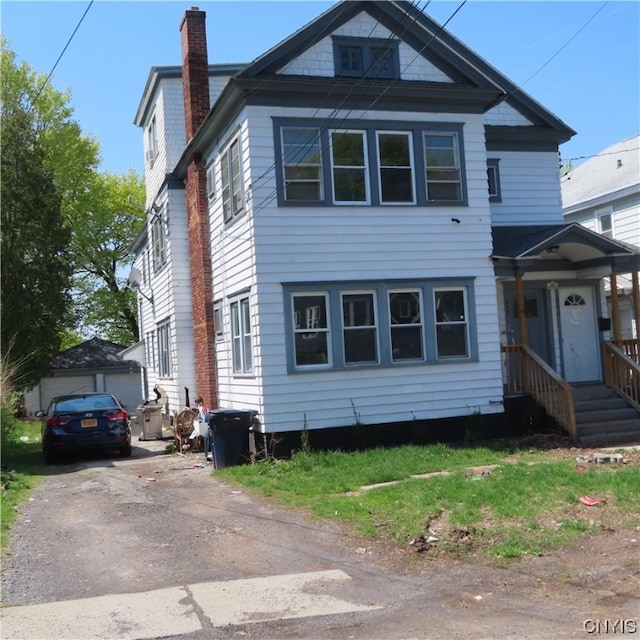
column 150, row 419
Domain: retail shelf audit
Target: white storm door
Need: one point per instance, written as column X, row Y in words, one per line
column 580, row 352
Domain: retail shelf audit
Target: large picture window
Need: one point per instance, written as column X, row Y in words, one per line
column 373, row 324
column 375, row 163
column 241, row 347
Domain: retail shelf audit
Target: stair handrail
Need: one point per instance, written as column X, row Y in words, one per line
column 549, row 389
column 536, row 378
column 622, row 373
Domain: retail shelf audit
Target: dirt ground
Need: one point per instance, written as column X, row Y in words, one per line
column 107, row 526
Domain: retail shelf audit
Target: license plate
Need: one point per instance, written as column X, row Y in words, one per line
column 89, row 423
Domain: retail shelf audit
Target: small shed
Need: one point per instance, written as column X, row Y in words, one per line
column 94, row 365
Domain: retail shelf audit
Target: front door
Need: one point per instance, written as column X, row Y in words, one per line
column 580, row 356
column 536, row 313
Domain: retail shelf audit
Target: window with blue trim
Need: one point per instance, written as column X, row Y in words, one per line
column 366, row 57
column 373, row 163
column 363, row 324
column 493, row 179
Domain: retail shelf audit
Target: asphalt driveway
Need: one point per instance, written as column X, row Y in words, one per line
column 156, row 547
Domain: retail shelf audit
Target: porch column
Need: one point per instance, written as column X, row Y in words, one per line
column 615, row 308
column 522, row 316
column 636, row 302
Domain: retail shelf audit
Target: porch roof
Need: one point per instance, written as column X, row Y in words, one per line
column 560, row 247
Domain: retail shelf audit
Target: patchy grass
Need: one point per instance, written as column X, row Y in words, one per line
column 22, row 470
column 529, row 504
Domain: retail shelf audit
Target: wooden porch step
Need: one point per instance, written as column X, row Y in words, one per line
column 603, row 418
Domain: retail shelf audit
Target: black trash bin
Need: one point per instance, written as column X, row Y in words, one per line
column 229, row 436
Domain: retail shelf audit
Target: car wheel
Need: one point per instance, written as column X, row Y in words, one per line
column 125, row 451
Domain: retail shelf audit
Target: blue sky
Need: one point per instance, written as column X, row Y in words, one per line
column 592, row 83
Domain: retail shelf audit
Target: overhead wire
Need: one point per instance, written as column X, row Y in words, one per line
column 66, row 46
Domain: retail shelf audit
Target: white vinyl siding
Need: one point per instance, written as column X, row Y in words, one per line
column 372, row 244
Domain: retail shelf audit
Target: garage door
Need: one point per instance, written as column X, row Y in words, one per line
column 127, row 387
column 59, row 386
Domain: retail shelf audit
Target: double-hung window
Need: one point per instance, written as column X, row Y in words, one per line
column 348, row 325
column 442, row 165
column 302, row 164
column 349, row 167
column 241, row 347
column 452, row 332
column 312, row 338
column 158, row 242
column 360, row 331
column 395, row 165
column 373, row 162
column 231, row 181
column 164, row 350
column 406, row 324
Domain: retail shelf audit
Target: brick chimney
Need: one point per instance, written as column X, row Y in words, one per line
column 195, row 86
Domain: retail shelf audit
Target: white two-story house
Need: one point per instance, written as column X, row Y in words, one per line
column 362, row 226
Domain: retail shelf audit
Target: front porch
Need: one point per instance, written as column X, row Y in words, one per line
column 561, row 344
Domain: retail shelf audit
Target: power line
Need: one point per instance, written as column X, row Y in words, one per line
column 44, row 84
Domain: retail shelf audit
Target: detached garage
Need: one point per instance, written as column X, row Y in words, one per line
column 94, row 365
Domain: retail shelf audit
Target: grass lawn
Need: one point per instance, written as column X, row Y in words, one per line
column 528, row 504
column 22, row 469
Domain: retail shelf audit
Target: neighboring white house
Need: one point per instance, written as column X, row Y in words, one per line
column 94, row 365
column 351, row 228
column 603, row 194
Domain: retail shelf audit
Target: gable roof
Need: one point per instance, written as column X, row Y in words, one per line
column 93, row 354
column 476, row 86
column 577, row 247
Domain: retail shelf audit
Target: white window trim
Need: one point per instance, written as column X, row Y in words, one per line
column 456, row 167
column 412, row 166
column 301, row 328
column 232, row 187
column 352, row 329
column 241, row 336
column 164, row 349
column 364, row 167
column 464, row 322
column 420, row 324
column 315, row 132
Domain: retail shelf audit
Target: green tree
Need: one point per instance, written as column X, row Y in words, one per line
column 102, row 212
column 36, row 271
column 104, row 229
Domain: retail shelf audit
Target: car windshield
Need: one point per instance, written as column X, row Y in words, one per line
column 84, row 403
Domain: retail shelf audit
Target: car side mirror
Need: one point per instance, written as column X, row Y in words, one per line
column 39, row 413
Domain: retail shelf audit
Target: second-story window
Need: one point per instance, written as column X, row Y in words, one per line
column 158, row 243
column 493, row 179
column 231, row 181
column 605, row 222
column 302, row 164
column 396, row 167
column 443, row 167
